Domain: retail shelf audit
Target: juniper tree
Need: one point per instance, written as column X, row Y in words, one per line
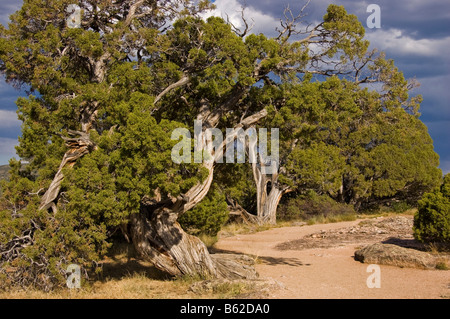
column 97, row 133
column 338, row 137
column 105, row 96
column 432, row 220
column 358, row 146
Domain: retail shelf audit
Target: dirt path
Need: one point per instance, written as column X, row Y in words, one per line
column 305, row 267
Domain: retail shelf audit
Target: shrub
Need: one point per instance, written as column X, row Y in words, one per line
column 400, row 207
column 432, row 220
column 208, row 216
column 313, row 205
column 37, row 246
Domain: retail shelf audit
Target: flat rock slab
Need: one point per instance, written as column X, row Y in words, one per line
column 390, row 230
column 388, row 254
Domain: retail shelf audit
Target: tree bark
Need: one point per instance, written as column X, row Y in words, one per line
column 237, row 210
column 268, row 195
column 268, row 189
column 159, row 238
column 78, row 147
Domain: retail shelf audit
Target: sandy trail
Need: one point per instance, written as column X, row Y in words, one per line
column 330, row 272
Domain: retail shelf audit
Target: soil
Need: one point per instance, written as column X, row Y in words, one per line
column 317, row 261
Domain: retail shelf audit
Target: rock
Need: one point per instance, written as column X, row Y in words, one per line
column 388, row 254
column 255, row 288
column 235, row 266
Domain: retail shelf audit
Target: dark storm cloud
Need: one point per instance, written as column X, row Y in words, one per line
column 8, row 95
column 9, row 124
column 415, row 34
column 418, row 19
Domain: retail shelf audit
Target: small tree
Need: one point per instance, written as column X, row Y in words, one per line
column 432, row 220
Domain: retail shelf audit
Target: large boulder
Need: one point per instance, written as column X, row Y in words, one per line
column 388, row 254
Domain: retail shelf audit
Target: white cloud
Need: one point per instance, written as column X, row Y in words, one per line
column 394, row 41
column 7, row 150
column 263, row 23
column 8, row 119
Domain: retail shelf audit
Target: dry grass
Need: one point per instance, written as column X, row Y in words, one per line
column 126, row 278
column 121, row 279
column 138, row 280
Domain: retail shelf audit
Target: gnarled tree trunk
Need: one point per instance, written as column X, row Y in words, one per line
column 268, row 195
column 268, row 190
column 158, row 237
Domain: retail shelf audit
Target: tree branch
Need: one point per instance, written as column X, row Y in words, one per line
column 132, row 12
column 183, row 81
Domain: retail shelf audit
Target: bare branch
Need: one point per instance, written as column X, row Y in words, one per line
column 247, row 28
column 36, row 193
column 183, row 81
column 78, row 147
column 289, row 24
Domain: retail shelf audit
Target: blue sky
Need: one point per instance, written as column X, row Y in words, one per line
column 415, row 33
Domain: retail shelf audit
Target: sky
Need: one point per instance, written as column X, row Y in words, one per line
column 415, row 33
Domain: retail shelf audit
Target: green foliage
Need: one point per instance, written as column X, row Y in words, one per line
column 311, row 205
column 432, row 220
column 208, row 216
column 236, row 181
column 50, row 243
column 319, row 167
column 360, row 147
column 347, row 31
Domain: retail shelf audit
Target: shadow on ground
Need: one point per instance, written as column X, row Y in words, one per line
column 268, row 260
column 274, row 261
column 406, row 243
column 118, row 269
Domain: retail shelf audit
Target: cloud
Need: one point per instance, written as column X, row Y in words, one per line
column 9, row 95
column 439, row 132
column 10, row 130
column 445, row 166
column 436, row 103
column 7, row 8
column 263, row 23
column 8, row 119
column 396, row 42
column 7, row 150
